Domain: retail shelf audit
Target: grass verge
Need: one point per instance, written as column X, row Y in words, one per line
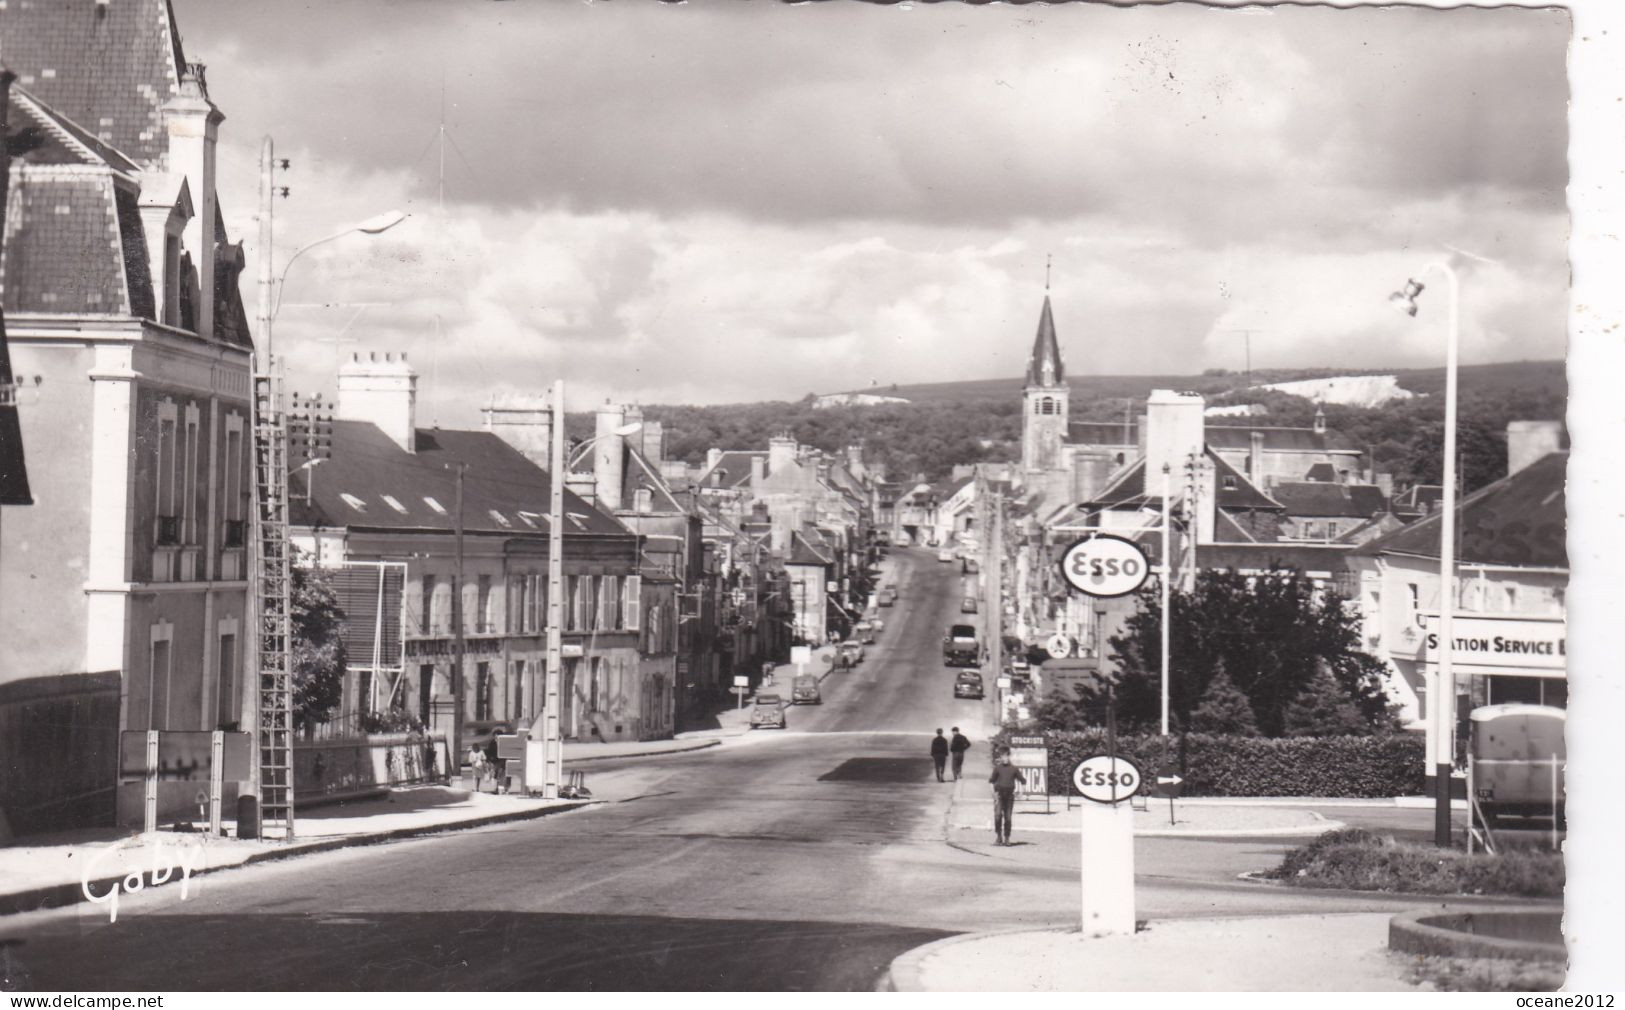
column 1362, row 860
column 1484, row 974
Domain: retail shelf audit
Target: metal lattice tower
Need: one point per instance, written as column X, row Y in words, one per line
column 272, row 582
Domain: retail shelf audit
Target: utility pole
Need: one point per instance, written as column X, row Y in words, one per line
column 993, row 578
column 457, row 645
column 552, row 739
column 1164, row 584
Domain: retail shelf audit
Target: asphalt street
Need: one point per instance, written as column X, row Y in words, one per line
column 784, row 860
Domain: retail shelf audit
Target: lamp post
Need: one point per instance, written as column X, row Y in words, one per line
column 1442, row 690
column 1164, row 586
column 550, row 744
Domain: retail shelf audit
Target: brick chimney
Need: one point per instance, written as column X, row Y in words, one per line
column 781, row 452
column 584, row 484
column 382, row 391
column 1173, row 434
column 608, row 454
column 1529, row 441
column 758, row 469
column 193, row 122
column 524, row 421
column 712, row 458
column 1255, row 459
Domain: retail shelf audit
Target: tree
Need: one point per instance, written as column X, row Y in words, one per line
column 318, row 648
column 1224, row 709
column 1270, row 633
column 1323, row 708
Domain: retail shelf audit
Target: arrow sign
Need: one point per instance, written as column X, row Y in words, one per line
column 1168, row 781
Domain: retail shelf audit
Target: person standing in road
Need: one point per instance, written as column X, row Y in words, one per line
column 957, row 747
column 939, row 754
column 1004, row 779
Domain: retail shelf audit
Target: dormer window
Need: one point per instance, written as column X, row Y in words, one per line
column 532, row 519
column 354, row 502
column 1229, row 483
column 500, row 519
column 394, row 503
column 439, row 508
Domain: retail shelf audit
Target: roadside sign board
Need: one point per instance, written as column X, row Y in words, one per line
column 1058, row 646
column 1106, row 779
column 1104, row 565
column 737, row 689
column 800, row 655
column 1168, row 782
column 1031, row 755
column 741, row 681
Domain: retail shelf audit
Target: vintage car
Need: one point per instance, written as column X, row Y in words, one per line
column 888, row 596
column 768, row 711
column 864, row 631
column 804, row 690
column 1518, row 758
column 968, row 685
column 967, row 605
column 945, row 555
column 852, row 650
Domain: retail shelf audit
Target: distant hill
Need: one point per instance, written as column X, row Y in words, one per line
column 1527, row 376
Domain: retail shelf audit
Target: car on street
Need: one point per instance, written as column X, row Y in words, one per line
column 945, row 555
column 967, row 605
column 852, row 649
column 888, row 596
column 804, row 690
column 972, row 566
column 864, row 631
column 768, row 711
column 968, row 685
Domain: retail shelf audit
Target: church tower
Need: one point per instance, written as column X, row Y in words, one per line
column 1044, row 419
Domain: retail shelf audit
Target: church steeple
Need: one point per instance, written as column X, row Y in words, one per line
column 1044, row 367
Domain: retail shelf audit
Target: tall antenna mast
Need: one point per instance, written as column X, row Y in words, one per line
column 442, row 144
column 1047, row 258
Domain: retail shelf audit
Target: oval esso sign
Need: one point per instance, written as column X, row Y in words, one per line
column 1107, row 779
column 1105, row 565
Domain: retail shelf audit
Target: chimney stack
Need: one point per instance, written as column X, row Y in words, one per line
column 382, row 392
column 758, row 469
column 193, row 123
column 1173, row 434
column 712, row 458
column 1255, row 459
column 781, row 453
column 608, row 457
column 524, row 421
column 583, row 485
column 1529, row 441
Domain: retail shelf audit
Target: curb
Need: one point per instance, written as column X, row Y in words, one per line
column 903, row 974
column 53, row 896
column 1427, row 931
column 689, row 746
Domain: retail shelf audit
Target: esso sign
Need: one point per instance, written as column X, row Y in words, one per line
column 1106, row 779
column 1104, row 565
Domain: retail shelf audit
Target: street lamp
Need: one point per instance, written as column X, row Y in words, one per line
column 1442, row 689
column 377, row 224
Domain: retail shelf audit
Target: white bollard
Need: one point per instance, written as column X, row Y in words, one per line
column 1107, row 849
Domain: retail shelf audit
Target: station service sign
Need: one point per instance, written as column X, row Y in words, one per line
column 1518, row 646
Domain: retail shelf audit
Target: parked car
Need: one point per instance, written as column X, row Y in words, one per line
column 968, row 685
column 804, row 690
column 967, row 605
column 852, row 649
column 888, row 596
column 768, row 711
column 1518, row 755
column 972, row 566
column 864, row 632
column 878, row 624
column 945, row 555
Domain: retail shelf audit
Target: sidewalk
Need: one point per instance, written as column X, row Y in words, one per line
column 1286, row 953
column 54, row 870
column 579, row 753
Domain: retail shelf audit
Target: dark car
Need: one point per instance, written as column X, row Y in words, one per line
column 968, row 685
column 768, row 711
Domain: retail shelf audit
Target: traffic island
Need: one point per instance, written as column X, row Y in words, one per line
column 1328, row 953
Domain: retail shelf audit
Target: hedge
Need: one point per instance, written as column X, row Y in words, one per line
column 1214, row 765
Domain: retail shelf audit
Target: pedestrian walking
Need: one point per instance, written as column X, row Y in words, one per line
column 939, row 754
column 957, row 747
column 1004, row 779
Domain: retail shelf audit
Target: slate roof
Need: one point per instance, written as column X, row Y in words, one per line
column 1046, row 351
column 1316, row 500
column 107, row 66
column 1520, row 519
column 1239, row 437
column 1129, row 488
column 1261, row 556
column 66, row 246
column 733, row 468
column 807, row 547
column 367, row 465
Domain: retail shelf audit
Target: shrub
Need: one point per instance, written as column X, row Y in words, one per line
column 1361, row 860
column 1214, row 765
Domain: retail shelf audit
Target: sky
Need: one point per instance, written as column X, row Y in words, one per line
column 720, row 201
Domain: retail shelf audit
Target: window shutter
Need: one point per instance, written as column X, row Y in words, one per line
column 632, row 612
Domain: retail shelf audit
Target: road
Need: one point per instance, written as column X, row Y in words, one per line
column 803, row 859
